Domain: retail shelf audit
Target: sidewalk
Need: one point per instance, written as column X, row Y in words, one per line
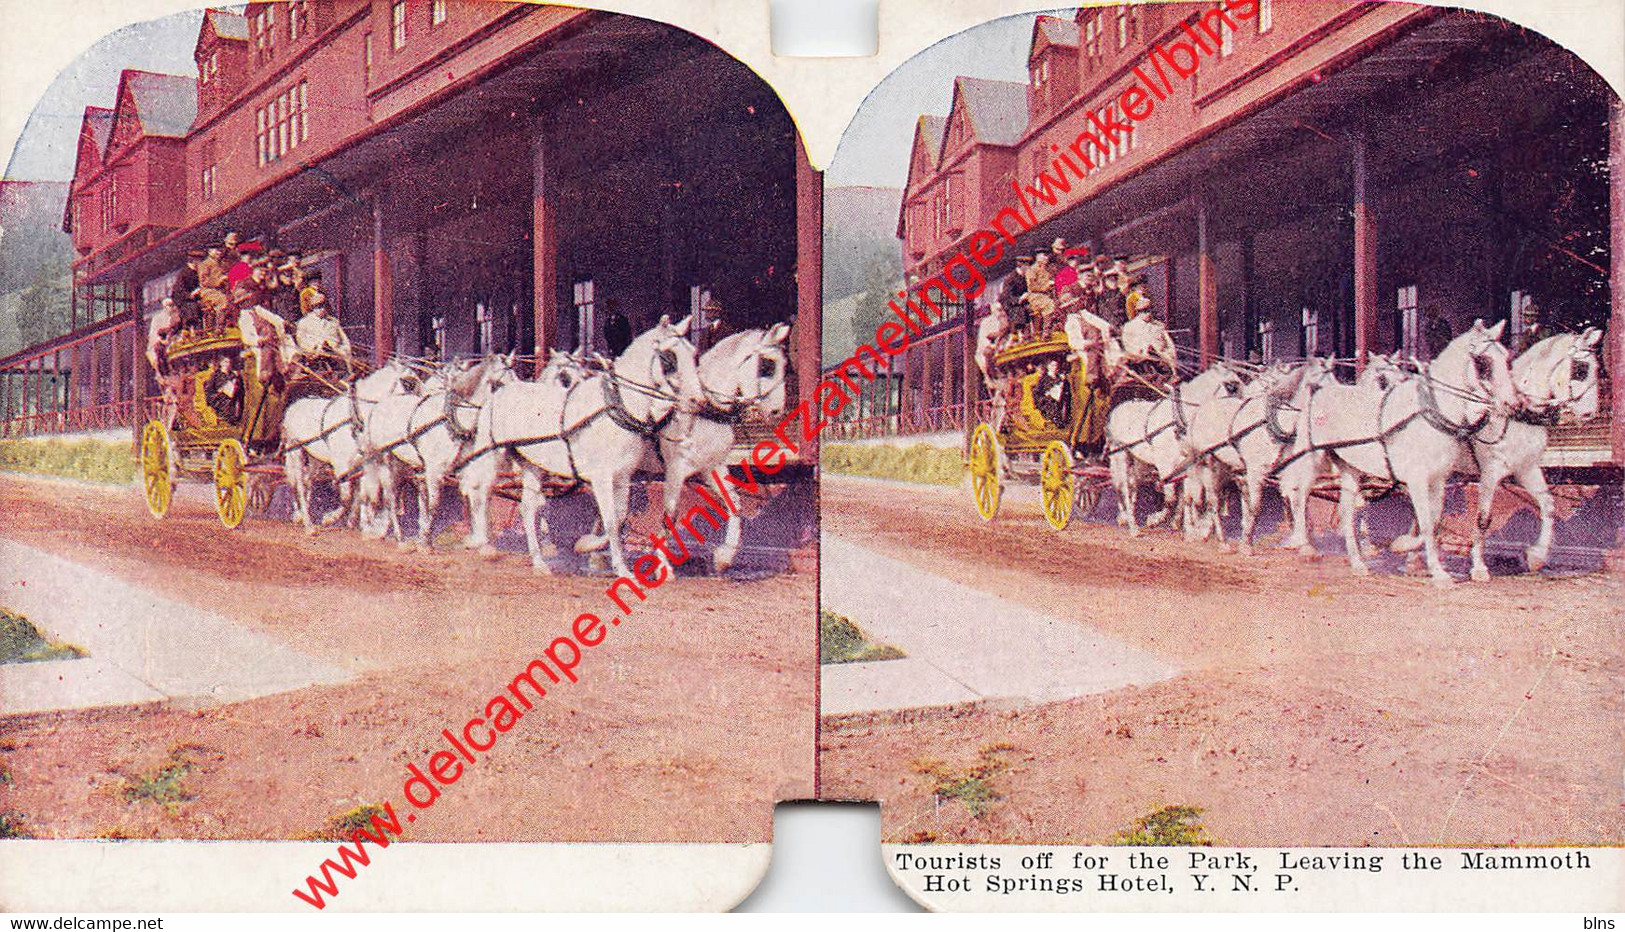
column 963, row 645
column 142, row 647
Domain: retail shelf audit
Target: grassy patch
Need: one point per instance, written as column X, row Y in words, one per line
column 343, row 827
column 841, row 641
column 21, row 642
column 1170, row 826
column 89, row 460
column 13, row 826
column 919, row 463
column 164, row 786
column 972, row 787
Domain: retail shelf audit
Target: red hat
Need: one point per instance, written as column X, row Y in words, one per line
column 251, row 246
column 1079, row 251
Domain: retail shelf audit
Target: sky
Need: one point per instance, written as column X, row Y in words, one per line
column 46, row 149
column 874, row 149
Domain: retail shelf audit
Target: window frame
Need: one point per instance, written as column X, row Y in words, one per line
column 398, row 33
column 1266, row 16
column 437, row 13
column 1410, row 319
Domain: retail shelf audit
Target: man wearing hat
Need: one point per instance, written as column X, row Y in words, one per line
column 319, row 332
column 211, row 293
column 310, row 292
column 1041, row 295
column 184, row 291
column 1012, row 295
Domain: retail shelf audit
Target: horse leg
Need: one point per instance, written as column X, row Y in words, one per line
column 530, row 503
column 1427, row 500
column 606, row 493
column 1489, row 482
column 723, row 556
column 1252, row 498
column 1295, row 489
column 1348, row 506
column 1123, row 480
column 294, row 465
column 478, row 481
column 1534, row 482
column 428, row 489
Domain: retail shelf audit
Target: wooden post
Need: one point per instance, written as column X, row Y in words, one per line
column 1365, row 258
column 1207, row 288
column 807, row 347
column 544, row 251
column 383, row 297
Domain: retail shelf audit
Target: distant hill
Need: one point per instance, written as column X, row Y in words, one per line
column 861, row 253
column 35, row 259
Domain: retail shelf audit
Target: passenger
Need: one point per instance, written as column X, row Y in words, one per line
column 990, row 332
column 320, row 334
column 211, row 294
column 184, row 291
column 1013, row 295
column 164, row 327
column 223, row 391
column 1041, row 295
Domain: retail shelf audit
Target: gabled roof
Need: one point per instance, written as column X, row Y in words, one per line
column 99, row 120
column 997, row 109
column 165, row 104
column 926, row 149
column 223, row 25
column 1052, row 30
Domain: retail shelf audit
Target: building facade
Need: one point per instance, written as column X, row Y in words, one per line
column 469, row 176
column 1323, row 178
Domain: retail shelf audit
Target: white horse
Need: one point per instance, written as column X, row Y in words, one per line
column 1555, row 377
column 1241, row 440
column 1147, row 440
column 594, row 431
column 742, row 375
column 422, row 436
column 1413, row 432
column 328, row 431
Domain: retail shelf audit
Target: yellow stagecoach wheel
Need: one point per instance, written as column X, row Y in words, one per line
column 155, row 478
column 984, row 470
column 230, row 483
column 1056, row 485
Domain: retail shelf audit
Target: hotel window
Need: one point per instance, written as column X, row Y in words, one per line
column 1266, row 340
column 206, row 175
column 437, row 335
column 486, row 322
column 298, row 19
column 1311, row 331
column 397, row 35
column 1266, row 16
column 1409, row 326
column 366, row 58
column 282, row 123
column 264, row 34
column 1122, row 27
column 1227, row 32
column 1521, row 300
column 437, row 12
column 211, row 67
column 301, row 99
column 584, row 314
column 1134, row 20
column 1091, row 36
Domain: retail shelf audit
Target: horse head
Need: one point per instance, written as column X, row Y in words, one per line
column 747, row 371
column 1478, row 366
column 563, row 369
column 1560, row 373
column 1220, row 380
column 663, row 365
column 392, row 378
column 1383, row 372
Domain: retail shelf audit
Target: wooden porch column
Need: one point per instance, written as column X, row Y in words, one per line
column 1365, row 259
column 1615, row 350
column 1207, row 288
column 807, row 348
column 544, row 250
column 383, row 291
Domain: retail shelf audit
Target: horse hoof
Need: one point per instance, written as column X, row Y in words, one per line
column 1307, row 550
column 1360, row 569
column 540, row 568
column 1443, row 582
column 588, row 543
column 406, row 546
column 1480, row 574
column 549, row 550
column 310, row 530
column 1226, row 547
column 1537, row 561
column 1247, row 550
column 489, row 551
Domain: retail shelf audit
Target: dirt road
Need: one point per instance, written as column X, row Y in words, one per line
column 1314, row 708
column 688, row 723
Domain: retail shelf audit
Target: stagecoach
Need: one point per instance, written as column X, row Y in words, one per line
column 1053, row 425
column 228, row 438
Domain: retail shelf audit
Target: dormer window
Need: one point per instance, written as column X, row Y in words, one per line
column 298, row 19
column 1122, row 27
column 1091, row 36
column 264, row 28
column 211, row 67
